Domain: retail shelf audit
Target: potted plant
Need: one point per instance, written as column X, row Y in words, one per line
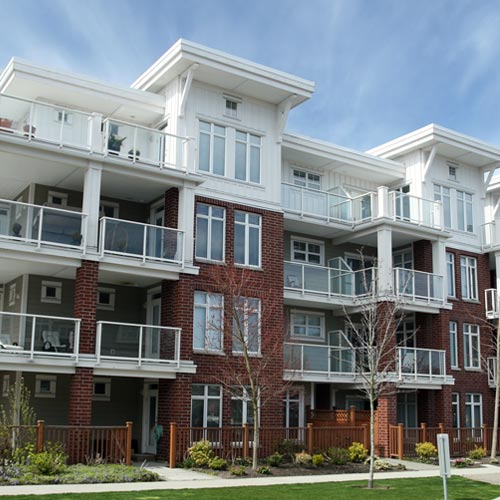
column 133, row 154
column 29, row 130
column 115, row 143
column 6, row 123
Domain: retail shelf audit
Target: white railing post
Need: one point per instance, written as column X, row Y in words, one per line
column 98, row 342
column 139, row 358
column 302, row 358
column 144, row 244
column 102, row 235
column 178, row 347
column 329, row 353
column 400, row 363
column 134, row 145
column 32, row 343
column 84, row 221
column 302, row 202
column 329, row 271
column 76, row 340
column 40, row 224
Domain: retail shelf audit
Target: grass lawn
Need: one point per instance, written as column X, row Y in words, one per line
column 398, row 489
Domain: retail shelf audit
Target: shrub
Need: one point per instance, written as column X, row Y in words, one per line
column 477, row 453
column 288, row 448
column 21, row 455
column 426, row 451
column 49, row 462
column 264, row 470
column 275, row 459
column 318, row 460
column 463, row 462
column 338, row 456
column 245, row 461
column 217, row 464
column 201, row 453
column 380, row 464
column 237, row 470
column 303, row 458
column 357, row 452
column 188, row 463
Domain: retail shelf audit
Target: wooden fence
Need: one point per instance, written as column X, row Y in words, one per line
column 234, row 442
column 402, row 440
column 331, row 418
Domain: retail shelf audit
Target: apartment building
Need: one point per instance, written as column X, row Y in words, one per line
column 121, row 206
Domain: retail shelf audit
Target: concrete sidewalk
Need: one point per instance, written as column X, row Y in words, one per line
column 177, row 479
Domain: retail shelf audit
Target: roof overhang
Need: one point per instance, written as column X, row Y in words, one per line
column 234, row 74
column 330, row 157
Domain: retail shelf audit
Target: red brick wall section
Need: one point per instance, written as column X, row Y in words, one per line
column 386, row 415
column 80, row 401
column 422, row 256
column 171, row 216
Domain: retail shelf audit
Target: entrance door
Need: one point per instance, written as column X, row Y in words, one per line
column 149, row 418
column 152, row 335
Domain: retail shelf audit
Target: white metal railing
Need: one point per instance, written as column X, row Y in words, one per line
column 490, row 234
column 146, row 145
column 325, row 205
column 491, row 364
column 408, row 208
column 491, row 303
column 46, row 122
column 418, row 286
column 331, row 282
column 418, row 364
column 137, row 343
column 41, row 225
column 33, row 335
column 142, row 241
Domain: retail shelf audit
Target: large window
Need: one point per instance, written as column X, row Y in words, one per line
column 473, row 410
column 247, row 157
column 464, row 212
column 472, row 354
column 247, row 230
column 442, row 194
column 306, row 179
column 241, row 407
column 293, row 414
column 307, row 251
column 311, row 326
column 246, row 325
column 405, row 334
column 450, row 274
column 468, row 274
column 455, row 409
column 210, row 233
column 208, row 311
column 453, row 345
column 206, row 405
column 212, row 148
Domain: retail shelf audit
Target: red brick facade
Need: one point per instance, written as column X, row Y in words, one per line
column 80, row 397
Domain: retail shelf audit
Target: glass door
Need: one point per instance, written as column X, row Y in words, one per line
column 151, row 431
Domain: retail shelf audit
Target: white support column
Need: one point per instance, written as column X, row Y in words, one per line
column 383, row 202
column 497, row 267
column 96, row 134
column 384, row 261
column 439, row 257
column 91, row 200
column 186, row 222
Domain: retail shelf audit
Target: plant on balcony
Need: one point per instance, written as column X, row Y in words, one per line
column 115, row 142
column 5, row 123
column 29, row 130
column 16, row 229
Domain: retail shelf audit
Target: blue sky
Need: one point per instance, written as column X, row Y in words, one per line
column 382, row 67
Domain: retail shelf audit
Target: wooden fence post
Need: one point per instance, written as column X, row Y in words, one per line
column 485, row 440
column 423, row 426
column 400, row 447
column 310, row 438
column 128, row 449
column 441, row 428
column 173, row 445
column 352, row 415
column 366, row 437
column 40, row 435
column 246, row 441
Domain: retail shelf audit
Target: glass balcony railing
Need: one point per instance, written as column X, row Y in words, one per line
column 35, row 335
column 45, row 122
column 41, row 225
column 140, row 344
column 414, row 210
column 141, row 241
column 491, row 303
column 418, row 364
column 417, row 286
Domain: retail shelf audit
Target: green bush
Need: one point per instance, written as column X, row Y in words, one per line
column 303, row 458
column 188, row 463
column 265, row 471
column 288, row 448
column 275, row 459
column 318, row 460
column 237, row 470
column 463, row 462
column 426, row 451
column 357, row 452
column 50, row 462
column 201, row 453
column 338, row 456
column 217, row 464
column 477, row 453
column 21, row 455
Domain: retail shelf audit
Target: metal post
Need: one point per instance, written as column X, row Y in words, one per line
column 32, row 343
column 139, row 359
column 144, row 243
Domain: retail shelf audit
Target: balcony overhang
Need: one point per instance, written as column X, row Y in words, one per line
column 110, row 368
column 432, row 383
column 350, row 379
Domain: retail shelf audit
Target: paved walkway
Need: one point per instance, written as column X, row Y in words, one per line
column 177, row 479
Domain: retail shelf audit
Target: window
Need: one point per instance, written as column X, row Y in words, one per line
column 231, row 109
column 293, row 415
column 472, row 356
column 51, row 292
column 102, row 389
column 307, row 251
column 405, row 333
column 56, row 198
column 210, row 232
column 464, row 212
column 468, row 275
column 452, row 171
column 311, row 326
column 106, row 298
column 5, row 385
column 109, row 209
column 206, row 405
column 455, row 409
column 208, row 310
column 306, row 179
column 247, row 157
column 62, row 116
column 406, row 408
column 246, row 325
column 442, row 194
column 247, row 238
column 212, row 148
column 453, row 345
column 45, row 386
column 12, row 294
column 241, row 407
column 473, row 410
column 450, row 274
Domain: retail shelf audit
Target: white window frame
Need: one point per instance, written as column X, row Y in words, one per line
column 212, row 135
column 473, row 400
column 407, row 332
column 51, row 393
column 241, row 305
column 472, row 343
column 468, row 270
column 5, row 385
column 450, row 275
column 246, row 401
column 57, row 194
column 443, row 194
column 212, row 305
column 248, row 155
column 110, row 306
column 205, row 398
column 211, row 218
column 287, row 400
column 294, row 314
column 107, row 389
column 455, row 406
column 247, row 226
column 232, row 111
column 57, row 285
column 466, row 208
column 452, row 171
column 307, row 252
column 307, row 182
column 109, row 204
column 12, row 294
column 453, row 328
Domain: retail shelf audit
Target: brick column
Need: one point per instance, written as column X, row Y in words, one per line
column 171, row 208
column 386, row 415
column 80, row 397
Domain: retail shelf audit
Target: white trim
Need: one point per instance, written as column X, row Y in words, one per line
column 247, row 226
column 106, row 396
column 110, row 306
column 457, row 404
column 306, row 252
column 471, row 335
column 453, row 362
column 57, row 298
column 213, row 304
column 205, row 397
column 211, row 219
column 52, row 385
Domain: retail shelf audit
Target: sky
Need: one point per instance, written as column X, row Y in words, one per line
column 382, row 68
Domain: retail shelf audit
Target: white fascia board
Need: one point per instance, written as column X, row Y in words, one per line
column 214, row 59
column 345, row 155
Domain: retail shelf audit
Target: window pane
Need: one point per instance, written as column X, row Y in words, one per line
column 241, row 136
column 255, row 164
column 218, row 212
column 202, row 209
column 199, row 328
column 239, row 244
column 201, row 237
column 254, row 244
column 240, row 161
column 254, row 219
column 204, row 158
column 214, row 390
column 219, row 155
column 236, row 412
column 205, row 126
column 220, row 130
column 217, row 240
column 213, row 413
column 197, row 413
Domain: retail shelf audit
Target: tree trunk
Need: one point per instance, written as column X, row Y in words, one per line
column 372, row 442
column 256, row 436
column 497, row 395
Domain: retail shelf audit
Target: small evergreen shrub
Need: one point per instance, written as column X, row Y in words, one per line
column 237, row 470
column 217, row 464
column 288, row 448
column 188, row 463
column 338, row 456
column 303, row 458
column 357, row 452
column 477, row 453
column 426, row 451
column 275, row 459
column 318, row 460
column 201, row 453
column 49, row 462
column 265, row 471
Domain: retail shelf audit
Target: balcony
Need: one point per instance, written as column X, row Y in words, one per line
column 29, row 337
column 427, row 366
column 491, row 303
column 490, row 235
column 491, row 364
column 141, row 242
column 41, row 226
column 404, row 207
column 418, row 287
